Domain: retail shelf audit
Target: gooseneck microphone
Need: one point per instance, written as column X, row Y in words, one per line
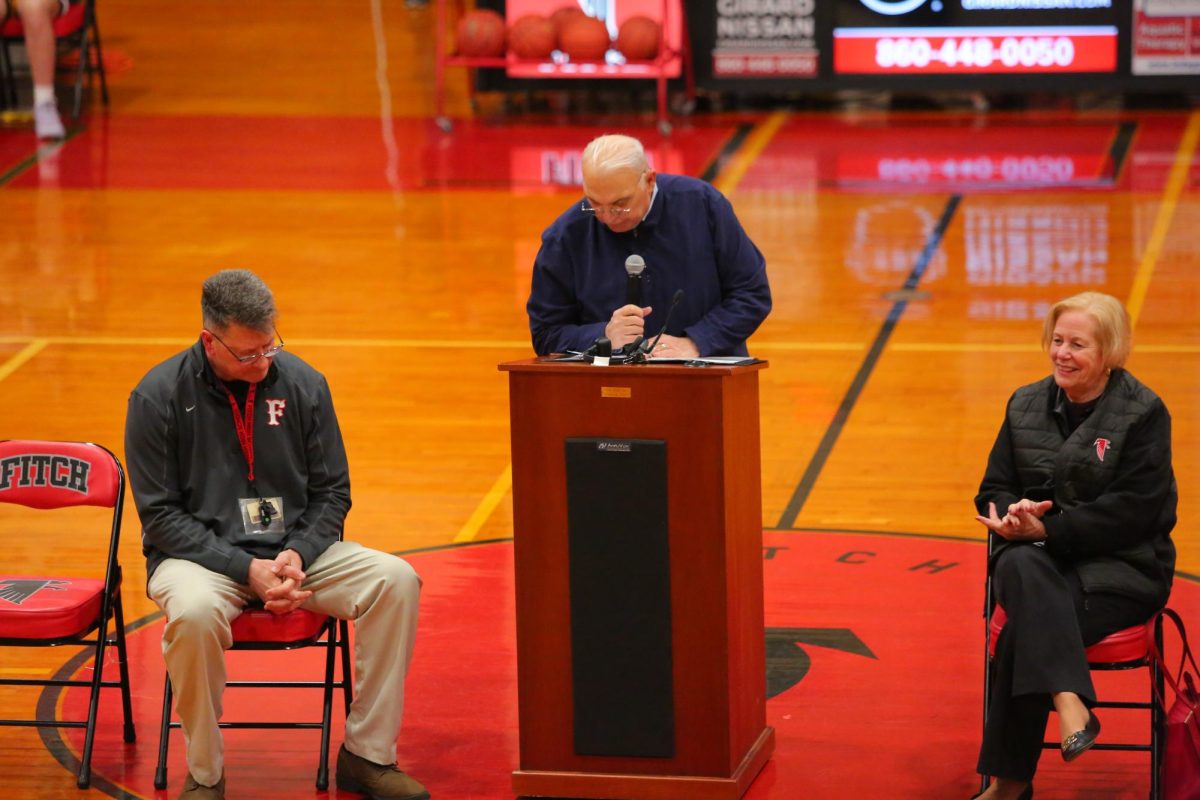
column 603, row 354
column 637, row 355
column 633, row 281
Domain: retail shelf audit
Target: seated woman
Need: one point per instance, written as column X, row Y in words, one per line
column 37, row 18
column 1080, row 489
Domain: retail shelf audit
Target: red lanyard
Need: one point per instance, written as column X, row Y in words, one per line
column 245, row 426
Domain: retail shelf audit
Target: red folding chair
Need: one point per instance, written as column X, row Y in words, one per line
column 1123, row 650
column 77, row 29
column 259, row 629
column 50, row 610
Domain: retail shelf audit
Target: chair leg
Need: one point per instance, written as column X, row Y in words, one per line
column 347, row 675
column 95, row 28
column 987, row 665
column 77, row 105
column 331, row 646
column 85, row 760
column 1158, row 720
column 164, row 737
column 129, row 734
column 8, row 91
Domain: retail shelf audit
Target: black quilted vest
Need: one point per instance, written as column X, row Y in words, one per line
column 1066, row 470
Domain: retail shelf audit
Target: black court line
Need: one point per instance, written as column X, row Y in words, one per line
column 809, row 479
column 1119, row 149
column 23, row 166
column 726, row 152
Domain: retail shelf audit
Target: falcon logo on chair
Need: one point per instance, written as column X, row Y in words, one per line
column 41, row 469
column 18, row 590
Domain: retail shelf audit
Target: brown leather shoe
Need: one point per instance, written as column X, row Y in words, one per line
column 377, row 781
column 196, row 791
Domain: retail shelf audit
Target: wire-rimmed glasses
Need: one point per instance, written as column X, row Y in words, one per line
column 273, row 350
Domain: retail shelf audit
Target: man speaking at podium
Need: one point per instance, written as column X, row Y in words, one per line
column 611, row 265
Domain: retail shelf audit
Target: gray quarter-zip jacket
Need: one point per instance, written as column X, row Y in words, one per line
column 188, row 472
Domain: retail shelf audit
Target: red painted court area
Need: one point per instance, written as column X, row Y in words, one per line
column 874, row 664
column 872, row 153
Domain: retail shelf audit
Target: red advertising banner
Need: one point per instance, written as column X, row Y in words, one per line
column 1035, row 49
column 1166, row 37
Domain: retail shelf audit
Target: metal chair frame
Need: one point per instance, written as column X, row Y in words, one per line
column 334, row 636
column 91, row 57
column 110, row 605
column 1155, row 747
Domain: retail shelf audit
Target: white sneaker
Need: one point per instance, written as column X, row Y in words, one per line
column 47, row 122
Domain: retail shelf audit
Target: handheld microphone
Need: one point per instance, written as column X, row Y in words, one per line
column 638, row 355
column 633, row 281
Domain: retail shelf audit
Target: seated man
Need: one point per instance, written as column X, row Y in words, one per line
column 241, row 482
column 37, row 17
column 689, row 239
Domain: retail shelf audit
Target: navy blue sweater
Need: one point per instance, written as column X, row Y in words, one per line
column 690, row 240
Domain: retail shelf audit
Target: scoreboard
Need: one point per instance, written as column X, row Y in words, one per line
column 930, row 44
column 882, row 37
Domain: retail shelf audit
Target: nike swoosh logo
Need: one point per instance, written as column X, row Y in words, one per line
column 189, row 409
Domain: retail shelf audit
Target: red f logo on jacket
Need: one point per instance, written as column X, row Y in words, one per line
column 275, row 406
column 1101, row 446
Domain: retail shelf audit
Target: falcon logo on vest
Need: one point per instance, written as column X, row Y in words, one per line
column 275, row 406
column 18, row 590
column 36, row 469
column 1101, row 446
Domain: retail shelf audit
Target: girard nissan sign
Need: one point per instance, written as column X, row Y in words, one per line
column 765, row 38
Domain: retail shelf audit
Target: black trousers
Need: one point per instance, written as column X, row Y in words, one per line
column 1040, row 652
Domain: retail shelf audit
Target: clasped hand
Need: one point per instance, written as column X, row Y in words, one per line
column 1022, row 523
column 277, row 582
column 628, row 322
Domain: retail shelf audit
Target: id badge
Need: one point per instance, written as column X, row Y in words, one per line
column 262, row 515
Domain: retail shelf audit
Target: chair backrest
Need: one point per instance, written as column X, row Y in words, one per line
column 43, row 474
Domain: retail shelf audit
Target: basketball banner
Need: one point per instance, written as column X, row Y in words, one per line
column 612, row 63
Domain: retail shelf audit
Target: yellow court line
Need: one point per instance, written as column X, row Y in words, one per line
column 133, row 341
column 1162, row 222
column 755, row 143
column 969, row 347
column 837, row 347
column 29, row 351
column 440, row 344
column 488, row 344
column 25, row 672
column 486, row 506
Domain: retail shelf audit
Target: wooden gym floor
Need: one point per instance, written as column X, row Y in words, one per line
column 911, row 255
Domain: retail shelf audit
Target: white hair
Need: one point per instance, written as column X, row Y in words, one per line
column 614, row 152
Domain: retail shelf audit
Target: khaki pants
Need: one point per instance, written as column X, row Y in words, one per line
column 377, row 590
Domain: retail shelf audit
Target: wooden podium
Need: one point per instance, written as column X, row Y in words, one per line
column 637, row 517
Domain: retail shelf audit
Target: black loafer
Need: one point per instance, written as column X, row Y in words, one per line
column 1080, row 742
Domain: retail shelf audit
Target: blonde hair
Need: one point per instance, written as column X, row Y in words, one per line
column 1114, row 336
column 613, row 152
